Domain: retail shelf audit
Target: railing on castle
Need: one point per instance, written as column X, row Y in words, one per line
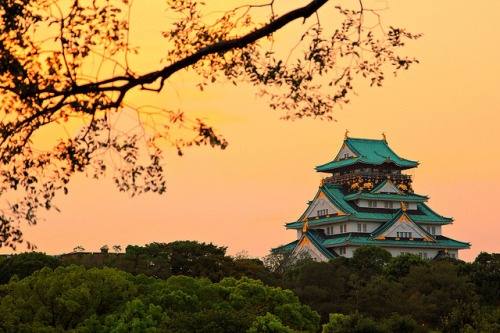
column 366, row 175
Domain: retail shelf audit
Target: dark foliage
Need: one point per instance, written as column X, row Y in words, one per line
column 107, row 300
column 24, row 264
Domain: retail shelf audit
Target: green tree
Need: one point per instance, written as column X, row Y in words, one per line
column 403, row 324
column 369, row 260
column 322, row 286
column 355, row 323
column 268, row 324
column 388, row 296
column 433, row 291
column 25, row 264
column 196, row 259
column 188, row 258
column 484, row 272
column 78, row 248
column 471, row 317
column 136, row 317
column 107, row 300
column 254, row 269
column 47, row 56
column 400, row 266
column 145, row 260
column 64, row 297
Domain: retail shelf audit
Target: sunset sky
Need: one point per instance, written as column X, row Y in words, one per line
column 444, row 112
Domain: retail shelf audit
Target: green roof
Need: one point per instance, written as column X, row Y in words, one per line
column 362, row 240
column 380, row 230
column 317, row 239
column 368, row 151
column 325, row 243
column 391, row 197
column 315, row 236
column 285, row 248
column 385, row 182
column 337, row 197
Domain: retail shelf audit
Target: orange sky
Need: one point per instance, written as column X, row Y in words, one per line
column 443, row 113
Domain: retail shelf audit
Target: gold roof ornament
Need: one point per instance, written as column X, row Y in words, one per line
column 403, row 206
column 321, row 182
column 383, row 137
column 304, row 228
column 345, row 136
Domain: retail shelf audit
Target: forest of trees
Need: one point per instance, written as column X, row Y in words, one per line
column 186, row 286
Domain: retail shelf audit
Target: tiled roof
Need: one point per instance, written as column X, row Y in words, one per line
column 368, row 151
column 390, row 197
column 359, row 239
column 380, row 230
column 285, row 248
column 337, row 197
column 317, row 238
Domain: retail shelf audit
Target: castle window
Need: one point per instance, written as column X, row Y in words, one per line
column 322, row 212
column 388, row 204
column 342, row 250
column 372, row 204
column 359, row 227
column 343, row 228
column 364, row 227
column 329, row 230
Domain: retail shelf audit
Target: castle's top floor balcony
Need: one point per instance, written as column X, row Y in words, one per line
column 356, row 174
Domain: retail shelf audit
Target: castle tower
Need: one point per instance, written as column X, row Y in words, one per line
column 368, row 198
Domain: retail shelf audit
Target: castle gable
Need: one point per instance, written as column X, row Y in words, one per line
column 321, row 206
column 387, row 187
column 309, row 246
column 402, row 226
column 344, row 153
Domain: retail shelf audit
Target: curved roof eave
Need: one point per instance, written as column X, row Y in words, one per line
column 368, row 151
column 326, row 168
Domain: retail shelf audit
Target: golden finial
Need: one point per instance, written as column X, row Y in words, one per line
column 345, row 136
column 383, row 137
column 304, row 228
column 321, row 182
column 403, row 206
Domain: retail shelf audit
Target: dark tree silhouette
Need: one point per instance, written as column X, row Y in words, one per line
column 47, row 49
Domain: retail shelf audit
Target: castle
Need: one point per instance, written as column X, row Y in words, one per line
column 368, row 199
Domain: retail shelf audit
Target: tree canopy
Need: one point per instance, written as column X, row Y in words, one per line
column 410, row 295
column 106, row 300
column 48, row 52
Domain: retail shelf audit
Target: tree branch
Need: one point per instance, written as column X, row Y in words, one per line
column 220, row 47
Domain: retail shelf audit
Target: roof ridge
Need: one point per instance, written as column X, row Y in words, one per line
column 364, row 139
column 433, row 212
